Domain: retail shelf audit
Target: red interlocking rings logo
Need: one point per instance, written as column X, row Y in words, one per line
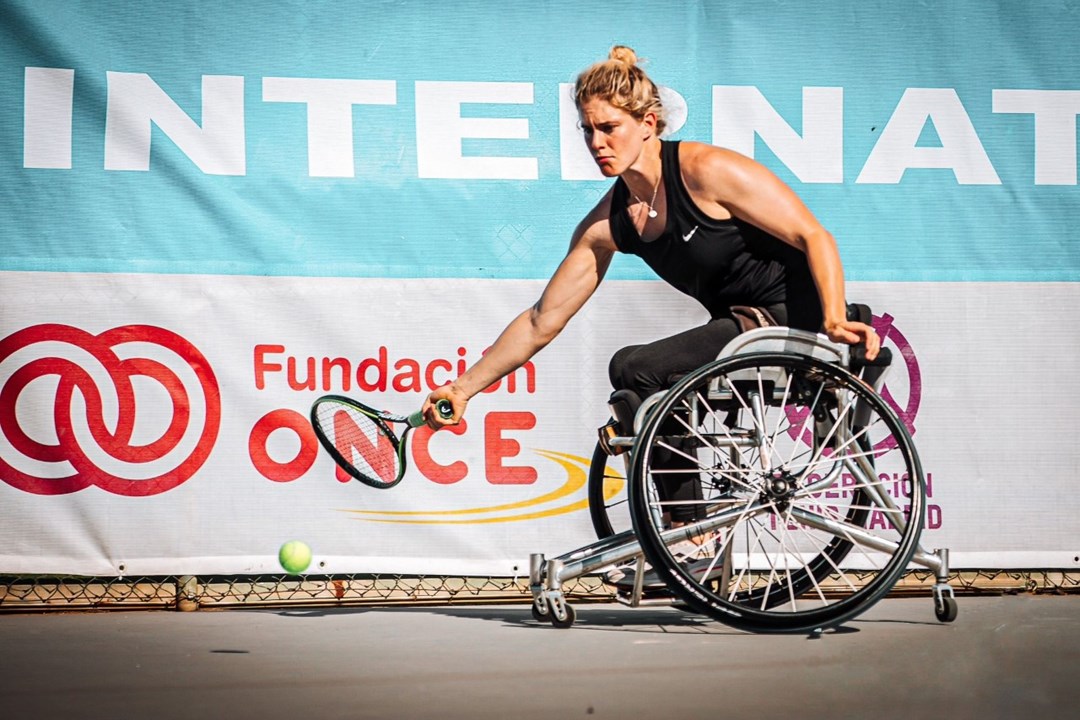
column 133, row 411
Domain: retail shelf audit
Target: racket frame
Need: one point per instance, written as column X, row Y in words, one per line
column 382, row 420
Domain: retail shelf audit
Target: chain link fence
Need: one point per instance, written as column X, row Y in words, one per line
column 185, row 593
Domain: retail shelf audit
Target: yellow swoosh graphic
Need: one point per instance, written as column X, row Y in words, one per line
column 576, row 469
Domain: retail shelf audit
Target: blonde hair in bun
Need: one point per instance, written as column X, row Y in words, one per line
column 620, row 81
column 623, row 54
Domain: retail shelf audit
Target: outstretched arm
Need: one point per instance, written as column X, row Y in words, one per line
column 573, row 283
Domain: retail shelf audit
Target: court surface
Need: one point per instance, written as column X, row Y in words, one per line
column 1004, row 657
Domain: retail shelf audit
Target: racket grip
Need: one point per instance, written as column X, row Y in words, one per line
column 443, row 407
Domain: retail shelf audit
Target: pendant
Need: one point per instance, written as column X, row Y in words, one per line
column 652, row 213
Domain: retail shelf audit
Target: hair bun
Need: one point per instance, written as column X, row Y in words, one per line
column 624, row 55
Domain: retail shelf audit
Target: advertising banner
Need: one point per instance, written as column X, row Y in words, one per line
column 213, row 214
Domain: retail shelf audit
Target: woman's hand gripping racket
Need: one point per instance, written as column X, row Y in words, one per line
column 361, row 440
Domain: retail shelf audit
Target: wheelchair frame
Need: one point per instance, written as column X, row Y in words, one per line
column 756, row 371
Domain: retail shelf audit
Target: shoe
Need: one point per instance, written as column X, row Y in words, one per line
column 690, row 550
column 705, row 569
column 623, row 578
column 702, row 570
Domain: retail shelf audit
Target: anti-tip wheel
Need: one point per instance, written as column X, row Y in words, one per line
column 946, row 609
column 566, row 622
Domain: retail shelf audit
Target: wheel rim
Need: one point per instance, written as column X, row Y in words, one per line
column 796, row 528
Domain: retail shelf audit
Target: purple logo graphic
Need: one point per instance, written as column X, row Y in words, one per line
column 906, row 405
column 905, row 409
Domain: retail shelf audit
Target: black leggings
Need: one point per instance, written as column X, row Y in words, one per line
column 646, row 369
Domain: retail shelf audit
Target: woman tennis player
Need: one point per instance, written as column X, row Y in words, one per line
column 715, row 224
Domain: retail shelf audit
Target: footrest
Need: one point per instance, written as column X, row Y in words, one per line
column 702, row 569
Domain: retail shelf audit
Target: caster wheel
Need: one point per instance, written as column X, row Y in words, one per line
column 946, row 609
column 571, row 615
column 538, row 614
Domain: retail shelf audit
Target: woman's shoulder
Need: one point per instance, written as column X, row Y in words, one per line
column 695, row 154
column 701, row 164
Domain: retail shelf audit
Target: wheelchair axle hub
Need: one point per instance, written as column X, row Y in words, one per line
column 780, row 486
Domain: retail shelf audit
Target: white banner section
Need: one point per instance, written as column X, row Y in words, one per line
column 157, row 424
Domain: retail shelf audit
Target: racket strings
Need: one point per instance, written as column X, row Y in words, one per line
column 363, row 442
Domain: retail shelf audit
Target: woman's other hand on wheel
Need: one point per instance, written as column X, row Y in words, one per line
column 855, row 333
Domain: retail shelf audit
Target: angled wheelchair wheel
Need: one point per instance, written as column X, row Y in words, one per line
column 776, row 492
column 609, row 507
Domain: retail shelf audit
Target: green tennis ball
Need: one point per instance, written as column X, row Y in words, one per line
column 294, row 557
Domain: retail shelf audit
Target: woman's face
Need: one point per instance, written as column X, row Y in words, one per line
column 613, row 136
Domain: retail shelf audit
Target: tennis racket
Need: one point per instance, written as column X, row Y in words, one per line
column 361, row 439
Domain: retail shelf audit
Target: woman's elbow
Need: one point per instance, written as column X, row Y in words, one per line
column 545, row 327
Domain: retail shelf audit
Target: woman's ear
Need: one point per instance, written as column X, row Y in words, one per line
column 648, row 125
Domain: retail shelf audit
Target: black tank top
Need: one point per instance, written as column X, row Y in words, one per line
column 719, row 263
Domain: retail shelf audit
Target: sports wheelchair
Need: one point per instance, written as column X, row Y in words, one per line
column 808, row 503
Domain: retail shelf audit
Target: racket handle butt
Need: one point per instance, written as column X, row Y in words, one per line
column 443, row 407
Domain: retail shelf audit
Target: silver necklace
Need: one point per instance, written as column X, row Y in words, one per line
column 656, row 188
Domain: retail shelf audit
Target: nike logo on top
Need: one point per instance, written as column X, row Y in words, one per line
column 687, row 236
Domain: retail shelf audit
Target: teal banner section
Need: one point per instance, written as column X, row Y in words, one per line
column 936, row 140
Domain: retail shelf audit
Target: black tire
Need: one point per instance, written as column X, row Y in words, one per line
column 608, row 504
column 781, row 510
